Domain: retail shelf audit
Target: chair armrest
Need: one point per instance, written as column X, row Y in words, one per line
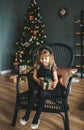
column 68, row 86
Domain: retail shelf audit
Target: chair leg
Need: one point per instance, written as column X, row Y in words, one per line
column 14, row 117
column 66, row 121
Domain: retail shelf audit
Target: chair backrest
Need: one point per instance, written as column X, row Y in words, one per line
column 63, row 54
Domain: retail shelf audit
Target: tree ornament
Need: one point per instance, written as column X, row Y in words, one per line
column 39, row 21
column 16, row 56
column 43, row 33
column 31, row 17
column 42, row 41
column 32, row 21
column 38, row 14
column 17, row 43
column 16, row 62
column 28, row 28
column 38, row 8
column 26, row 44
column 37, row 43
column 35, row 18
column 30, row 39
column 22, row 52
column 21, row 39
column 36, row 27
column 31, row 31
column 21, row 44
column 35, row 32
column 30, row 51
column 42, row 26
column 32, row 5
column 45, row 36
column 28, row 61
column 39, row 34
column 41, row 17
column 21, row 60
column 35, row 10
column 34, row 37
column 25, row 28
column 35, row 2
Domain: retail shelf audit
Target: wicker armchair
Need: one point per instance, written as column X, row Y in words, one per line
column 64, row 58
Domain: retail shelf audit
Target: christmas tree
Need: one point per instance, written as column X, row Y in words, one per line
column 32, row 34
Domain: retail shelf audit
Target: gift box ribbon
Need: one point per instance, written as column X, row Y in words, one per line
column 46, row 80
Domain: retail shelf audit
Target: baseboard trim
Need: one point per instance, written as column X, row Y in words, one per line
column 79, row 74
column 5, row 71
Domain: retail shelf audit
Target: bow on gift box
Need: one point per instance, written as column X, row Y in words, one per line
column 46, row 83
column 46, row 80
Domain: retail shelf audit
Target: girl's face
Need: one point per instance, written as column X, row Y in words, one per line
column 45, row 60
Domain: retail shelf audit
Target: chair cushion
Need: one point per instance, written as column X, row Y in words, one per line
column 64, row 74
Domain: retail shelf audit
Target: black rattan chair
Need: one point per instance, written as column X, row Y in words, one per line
column 64, row 58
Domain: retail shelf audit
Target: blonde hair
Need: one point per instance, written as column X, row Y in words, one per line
column 45, row 52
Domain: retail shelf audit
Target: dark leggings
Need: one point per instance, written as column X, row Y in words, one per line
column 37, row 92
column 59, row 91
column 40, row 106
column 33, row 94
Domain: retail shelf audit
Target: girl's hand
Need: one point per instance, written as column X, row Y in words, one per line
column 54, row 84
column 39, row 82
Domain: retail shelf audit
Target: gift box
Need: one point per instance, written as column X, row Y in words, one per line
column 13, row 78
column 22, row 68
column 46, row 84
column 25, row 71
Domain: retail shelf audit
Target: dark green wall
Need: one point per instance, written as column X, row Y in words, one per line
column 58, row 29
column 12, row 14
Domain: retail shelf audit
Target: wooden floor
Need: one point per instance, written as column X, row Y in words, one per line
column 48, row 121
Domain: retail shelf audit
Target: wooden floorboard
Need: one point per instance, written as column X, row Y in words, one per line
column 49, row 121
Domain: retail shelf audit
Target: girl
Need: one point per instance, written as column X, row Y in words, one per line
column 44, row 66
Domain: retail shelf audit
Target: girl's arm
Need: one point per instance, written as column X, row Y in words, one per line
column 35, row 77
column 55, row 78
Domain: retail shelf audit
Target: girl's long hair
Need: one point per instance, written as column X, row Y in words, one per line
column 46, row 52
